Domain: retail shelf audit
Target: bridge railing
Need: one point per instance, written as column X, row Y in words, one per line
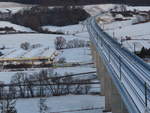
column 129, row 73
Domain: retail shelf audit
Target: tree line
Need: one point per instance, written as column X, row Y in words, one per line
column 80, row 2
column 43, row 84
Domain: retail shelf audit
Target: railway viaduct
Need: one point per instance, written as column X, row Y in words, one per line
column 113, row 101
column 124, row 77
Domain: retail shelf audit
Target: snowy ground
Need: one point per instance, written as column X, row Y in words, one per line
column 63, row 103
column 96, row 9
column 122, row 29
column 13, row 49
column 71, row 29
column 82, row 55
column 4, row 24
column 13, row 7
column 139, row 31
column 6, row 76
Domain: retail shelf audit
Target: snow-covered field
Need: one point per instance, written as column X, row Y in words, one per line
column 12, row 43
column 139, row 31
column 4, row 24
column 71, row 103
column 120, row 30
column 96, row 9
column 139, row 8
column 64, row 103
column 6, row 76
column 82, row 55
column 11, row 6
column 71, row 29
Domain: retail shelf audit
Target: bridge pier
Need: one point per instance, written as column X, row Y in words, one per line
column 116, row 101
column 113, row 101
column 97, row 62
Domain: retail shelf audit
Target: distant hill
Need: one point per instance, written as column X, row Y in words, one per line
column 79, row 2
column 11, row 5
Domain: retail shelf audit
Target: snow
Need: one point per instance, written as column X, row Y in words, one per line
column 47, row 42
column 13, row 7
column 96, row 9
column 63, row 103
column 34, row 38
column 138, row 8
column 6, row 76
column 138, row 31
column 16, row 27
column 122, row 29
column 60, row 103
column 77, row 55
column 11, row 4
column 70, row 29
column 16, row 39
column 77, row 69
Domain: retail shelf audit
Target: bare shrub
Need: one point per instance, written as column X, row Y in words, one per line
column 43, row 108
column 36, row 46
column 76, row 43
column 7, row 104
column 25, row 45
column 60, row 43
column 46, row 83
column 62, row 60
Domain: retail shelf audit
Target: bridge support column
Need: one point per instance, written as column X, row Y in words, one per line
column 97, row 61
column 116, row 101
column 99, row 74
column 103, row 77
column 107, row 88
column 113, row 101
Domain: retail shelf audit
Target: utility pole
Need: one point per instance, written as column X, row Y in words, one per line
column 134, row 47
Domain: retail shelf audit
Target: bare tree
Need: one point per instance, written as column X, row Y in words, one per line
column 25, row 45
column 19, row 78
column 7, row 104
column 60, row 43
column 43, row 108
column 62, row 60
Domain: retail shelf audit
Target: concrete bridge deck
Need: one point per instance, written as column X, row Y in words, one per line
column 125, row 78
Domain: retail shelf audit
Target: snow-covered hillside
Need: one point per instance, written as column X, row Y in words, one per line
column 11, row 6
column 139, row 31
column 4, row 24
column 69, row 30
column 96, row 9
column 120, row 30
